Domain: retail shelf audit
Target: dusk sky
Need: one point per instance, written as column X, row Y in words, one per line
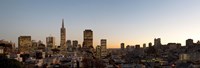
column 129, row 21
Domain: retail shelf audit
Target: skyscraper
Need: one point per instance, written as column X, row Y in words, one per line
column 144, row 45
column 69, row 43
column 98, row 51
column 103, row 47
column 189, row 42
column 50, row 41
column 69, row 46
column 122, row 46
column 88, row 39
column 75, row 44
column 34, row 44
column 63, row 36
column 157, row 42
column 150, row 44
column 24, row 43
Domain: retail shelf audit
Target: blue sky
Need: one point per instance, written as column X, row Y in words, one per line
column 128, row 21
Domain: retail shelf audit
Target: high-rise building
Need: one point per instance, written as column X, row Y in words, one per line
column 157, row 42
column 103, row 47
column 79, row 47
column 98, row 51
column 128, row 47
column 24, row 43
column 189, row 42
column 50, row 41
column 144, row 45
column 137, row 46
column 68, row 43
column 63, row 36
column 150, row 44
column 6, row 47
column 88, row 39
column 34, row 45
column 172, row 46
column 41, row 46
column 198, row 42
column 69, row 46
column 75, row 44
column 122, row 46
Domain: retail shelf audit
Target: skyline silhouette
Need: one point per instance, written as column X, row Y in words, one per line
column 130, row 22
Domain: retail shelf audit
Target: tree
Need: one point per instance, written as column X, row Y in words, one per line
column 9, row 63
column 99, row 63
column 87, row 63
column 24, row 57
column 151, row 51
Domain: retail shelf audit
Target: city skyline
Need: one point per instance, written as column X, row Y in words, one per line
column 129, row 22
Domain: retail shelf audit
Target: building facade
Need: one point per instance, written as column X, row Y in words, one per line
column 122, row 46
column 189, row 42
column 98, row 51
column 75, row 44
column 24, row 43
column 63, row 36
column 69, row 46
column 103, row 47
column 50, row 41
column 144, row 45
column 88, row 38
column 157, row 42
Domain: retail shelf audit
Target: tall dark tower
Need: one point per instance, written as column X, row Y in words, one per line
column 63, row 36
column 88, row 38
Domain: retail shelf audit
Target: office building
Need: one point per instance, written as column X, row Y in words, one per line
column 24, row 43
column 189, row 42
column 88, row 39
column 69, row 46
column 137, row 46
column 75, row 44
column 98, row 51
column 63, row 36
column 144, row 45
column 122, row 46
column 150, row 44
column 103, row 47
column 50, row 41
column 157, row 42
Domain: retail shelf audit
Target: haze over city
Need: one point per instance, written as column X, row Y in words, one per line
column 130, row 22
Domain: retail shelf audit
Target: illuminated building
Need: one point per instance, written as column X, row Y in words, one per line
column 103, row 47
column 50, row 41
column 62, row 36
column 88, row 39
column 24, row 43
